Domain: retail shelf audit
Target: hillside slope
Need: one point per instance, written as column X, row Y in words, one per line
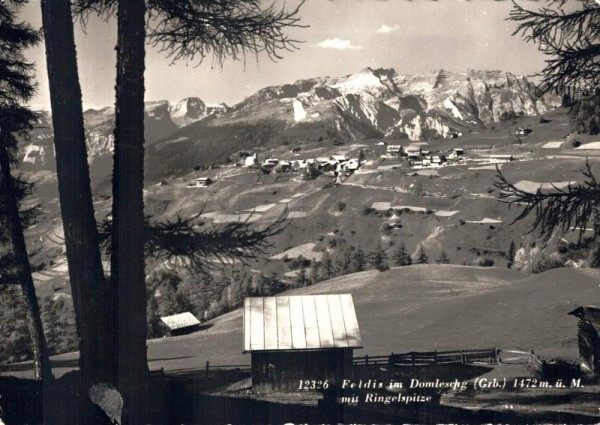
column 424, row 307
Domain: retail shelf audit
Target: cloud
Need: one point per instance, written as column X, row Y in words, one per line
column 384, row 29
column 337, row 43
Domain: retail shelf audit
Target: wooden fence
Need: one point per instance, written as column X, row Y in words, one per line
column 208, row 371
column 488, row 355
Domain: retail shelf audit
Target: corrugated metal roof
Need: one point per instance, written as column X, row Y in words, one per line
column 181, row 320
column 304, row 322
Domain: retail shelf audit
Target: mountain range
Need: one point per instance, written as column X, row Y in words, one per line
column 374, row 103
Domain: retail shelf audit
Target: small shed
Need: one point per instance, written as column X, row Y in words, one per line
column 204, row 181
column 588, row 336
column 294, row 338
column 179, row 324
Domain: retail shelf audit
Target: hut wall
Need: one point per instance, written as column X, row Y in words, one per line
column 589, row 345
column 283, row 370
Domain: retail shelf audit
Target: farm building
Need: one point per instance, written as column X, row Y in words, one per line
column 201, row 182
column 179, row 324
column 295, row 338
column 588, row 336
column 338, row 158
column 394, row 150
column 251, row 160
column 438, row 159
column 283, row 167
column 456, row 153
column 413, row 152
column 520, row 131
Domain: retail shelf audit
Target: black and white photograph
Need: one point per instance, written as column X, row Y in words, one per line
column 299, row 212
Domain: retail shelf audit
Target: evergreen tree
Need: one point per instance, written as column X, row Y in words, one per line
column 343, row 264
column 359, row 260
column 420, row 256
column 443, row 258
column 327, row 271
column 567, row 33
column 510, row 255
column 302, row 277
column 378, row 259
column 315, row 273
column 16, row 89
column 361, row 157
column 401, row 257
column 52, row 325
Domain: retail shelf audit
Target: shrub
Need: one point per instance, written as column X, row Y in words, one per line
column 484, row 262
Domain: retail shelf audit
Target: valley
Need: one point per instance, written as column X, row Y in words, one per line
column 388, row 201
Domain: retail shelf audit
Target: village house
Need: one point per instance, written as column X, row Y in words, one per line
column 269, row 164
column 338, row 158
column 283, row 167
column 394, row 150
column 438, row 159
column 351, row 165
column 588, row 336
column 201, row 182
column 251, row 160
column 520, row 131
column 456, row 153
column 413, row 152
column 294, row 338
column 179, row 324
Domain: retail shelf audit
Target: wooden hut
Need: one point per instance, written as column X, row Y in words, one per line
column 588, row 336
column 300, row 338
column 179, row 324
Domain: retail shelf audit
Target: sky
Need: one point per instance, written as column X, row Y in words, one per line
column 343, row 37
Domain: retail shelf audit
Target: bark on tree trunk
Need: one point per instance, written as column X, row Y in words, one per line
column 127, row 262
column 41, row 361
column 95, row 315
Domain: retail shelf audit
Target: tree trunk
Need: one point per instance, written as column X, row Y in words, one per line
column 41, row 361
column 127, row 261
column 91, row 296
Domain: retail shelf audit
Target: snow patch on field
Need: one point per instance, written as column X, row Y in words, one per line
column 381, row 206
column 588, row 146
column 306, row 250
column 532, row 187
column 261, row 208
column 485, row 221
column 297, row 214
column 229, row 218
column 553, row 145
column 447, row 213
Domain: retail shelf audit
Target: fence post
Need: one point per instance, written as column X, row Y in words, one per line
column 207, row 367
column 391, row 360
column 367, row 360
column 462, row 358
column 435, row 357
column 412, row 357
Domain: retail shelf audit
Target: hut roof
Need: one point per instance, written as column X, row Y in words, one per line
column 590, row 314
column 305, row 322
column 181, row 320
